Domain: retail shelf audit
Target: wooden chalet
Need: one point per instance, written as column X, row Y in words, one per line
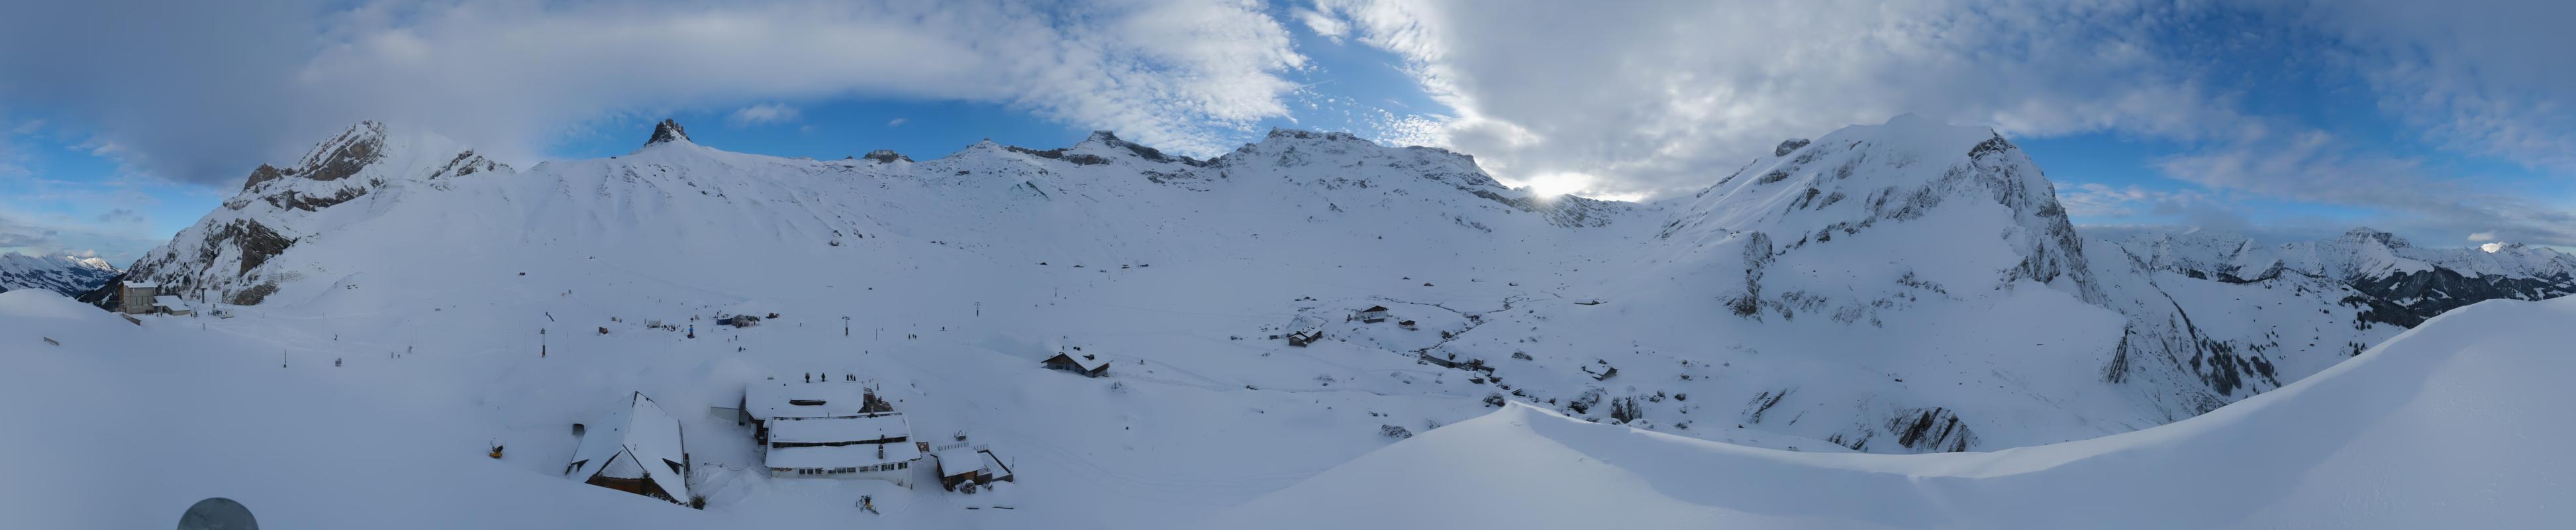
column 636, row 450
column 1304, row 330
column 960, row 465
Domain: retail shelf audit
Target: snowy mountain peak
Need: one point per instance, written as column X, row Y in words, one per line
column 68, row 275
column 2367, row 234
column 668, row 131
column 1964, row 185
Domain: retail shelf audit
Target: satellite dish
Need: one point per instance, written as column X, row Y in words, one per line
column 217, row 514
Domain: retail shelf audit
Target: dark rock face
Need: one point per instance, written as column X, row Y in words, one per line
column 258, row 243
column 352, row 151
column 668, row 131
column 264, row 173
column 886, row 156
column 1932, row 429
column 300, row 201
column 105, row 295
column 2408, row 299
column 1790, row 146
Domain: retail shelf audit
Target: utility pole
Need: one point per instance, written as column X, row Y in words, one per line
column 979, row 309
column 541, row 343
column 845, row 325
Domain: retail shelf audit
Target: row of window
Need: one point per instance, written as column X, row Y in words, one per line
column 840, row 470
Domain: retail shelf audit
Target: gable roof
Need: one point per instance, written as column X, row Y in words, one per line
column 640, row 442
column 960, row 460
column 1087, row 362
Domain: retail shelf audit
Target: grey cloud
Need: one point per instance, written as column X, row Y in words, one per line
column 200, row 91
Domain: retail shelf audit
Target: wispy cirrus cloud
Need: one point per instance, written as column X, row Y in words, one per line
column 763, row 114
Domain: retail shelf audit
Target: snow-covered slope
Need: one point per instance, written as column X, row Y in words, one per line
column 2450, row 425
column 281, row 207
column 69, row 275
column 1905, row 287
column 2402, row 284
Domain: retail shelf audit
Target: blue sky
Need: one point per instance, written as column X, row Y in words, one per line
column 123, row 122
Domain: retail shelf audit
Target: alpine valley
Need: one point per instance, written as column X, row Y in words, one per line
column 399, row 303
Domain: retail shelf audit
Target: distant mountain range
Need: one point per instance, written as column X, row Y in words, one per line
column 69, row 275
column 1903, row 287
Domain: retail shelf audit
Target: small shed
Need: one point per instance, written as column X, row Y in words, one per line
column 1085, row 364
column 1450, row 360
column 1304, row 330
column 636, row 450
column 171, row 305
column 960, row 465
column 1374, row 314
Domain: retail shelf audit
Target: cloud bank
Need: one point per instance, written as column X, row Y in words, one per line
column 201, row 91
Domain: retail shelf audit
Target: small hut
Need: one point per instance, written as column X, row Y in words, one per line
column 1304, row 330
column 1374, row 314
column 1085, row 364
column 960, row 465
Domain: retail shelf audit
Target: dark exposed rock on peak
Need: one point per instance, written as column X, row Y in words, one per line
column 668, row 131
column 1789, row 146
column 886, row 156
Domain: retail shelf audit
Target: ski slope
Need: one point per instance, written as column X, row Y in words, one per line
column 2455, row 424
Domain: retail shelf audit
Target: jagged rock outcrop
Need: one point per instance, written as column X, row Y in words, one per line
column 668, row 131
column 230, row 253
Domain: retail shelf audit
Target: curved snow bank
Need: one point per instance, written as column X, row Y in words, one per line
column 2452, row 425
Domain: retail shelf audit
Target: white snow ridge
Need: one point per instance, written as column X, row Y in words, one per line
column 1888, row 326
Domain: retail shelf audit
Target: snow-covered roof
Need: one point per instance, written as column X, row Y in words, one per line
column 959, row 460
column 1374, row 309
column 1087, row 362
column 883, row 426
column 777, row 399
column 1305, row 323
column 832, row 456
column 142, row 285
column 640, row 441
column 170, row 301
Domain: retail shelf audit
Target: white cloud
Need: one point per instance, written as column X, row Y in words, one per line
column 36, row 235
column 1328, row 26
column 763, row 114
column 1660, row 95
column 2095, row 199
column 2482, row 236
column 511, row 76
column 2491, row 77
column 897, row 122
column 1653, row 95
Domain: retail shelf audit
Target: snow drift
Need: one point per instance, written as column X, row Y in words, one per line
column 2451, row 425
